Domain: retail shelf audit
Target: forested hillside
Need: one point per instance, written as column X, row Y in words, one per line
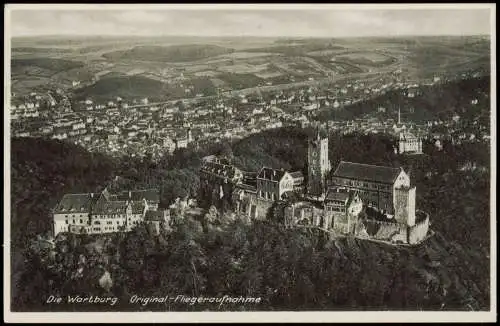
column 436, row 102
column 173, row 53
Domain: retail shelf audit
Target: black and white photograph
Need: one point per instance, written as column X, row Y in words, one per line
column 249, row 162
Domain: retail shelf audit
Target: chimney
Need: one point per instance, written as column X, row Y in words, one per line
column 91, row 195
column 129, row 194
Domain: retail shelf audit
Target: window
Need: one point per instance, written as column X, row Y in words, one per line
column 66, row 221
column 81, row 221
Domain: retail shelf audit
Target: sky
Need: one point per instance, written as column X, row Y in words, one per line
column 251, row 22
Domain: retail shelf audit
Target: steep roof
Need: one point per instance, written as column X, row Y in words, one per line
column 73, row 203
column 407, row 136
column 154, row 216
column 247, row 187
column 271, row 174
column 219, row 169
column 151, row 195
column 297, row 174
column 103, row 206
column 332, row 194
column 367, row 172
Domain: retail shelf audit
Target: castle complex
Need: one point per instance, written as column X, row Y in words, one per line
column 367, row 201
column 362, row 200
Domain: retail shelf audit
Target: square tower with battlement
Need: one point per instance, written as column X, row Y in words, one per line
column 318, row 162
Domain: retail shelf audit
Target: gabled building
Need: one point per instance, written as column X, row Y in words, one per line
column 409, row 143
column 376, row 184
column 341, row 209
column 73, row 210
column 272, row 183
column 93, row 213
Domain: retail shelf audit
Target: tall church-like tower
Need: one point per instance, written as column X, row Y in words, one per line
column 318, row 162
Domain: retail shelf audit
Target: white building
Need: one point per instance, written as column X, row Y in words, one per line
column 93, row 213
column 409, row 143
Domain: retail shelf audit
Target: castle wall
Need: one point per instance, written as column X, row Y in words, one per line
column 261, row 208
column 252, row 206
column 343, row 222
column 418, row 232
column 315, row 216
column 387, row 231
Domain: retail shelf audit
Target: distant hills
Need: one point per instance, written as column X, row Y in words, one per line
column 136, row 86
column 173, row 53
column 50, row 65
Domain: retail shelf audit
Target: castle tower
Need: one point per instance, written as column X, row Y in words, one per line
column 405, row 205
column 318, row 162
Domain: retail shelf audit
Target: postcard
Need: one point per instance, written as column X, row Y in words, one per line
column 250, row 162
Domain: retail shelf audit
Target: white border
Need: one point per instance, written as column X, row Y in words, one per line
column 290, row 317
column 248, row 6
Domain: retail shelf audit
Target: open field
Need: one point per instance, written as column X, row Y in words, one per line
column 237, row 62
column 247, row 55
column 371, row 57
column 243, row 68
